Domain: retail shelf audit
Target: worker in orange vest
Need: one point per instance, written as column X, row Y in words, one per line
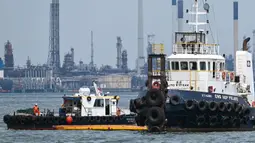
column 36, row 110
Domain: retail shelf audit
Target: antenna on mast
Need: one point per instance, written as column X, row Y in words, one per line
column 196, row 14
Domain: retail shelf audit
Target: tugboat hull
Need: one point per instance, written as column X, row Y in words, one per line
column 195, row 112
column 30, row 122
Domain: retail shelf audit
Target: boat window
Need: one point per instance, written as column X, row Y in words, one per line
column 209, row 66
column 193, row 65
column 184, row 65
column 175, row 65
column 202, row 66
column 221, row 66
column 99, row 103
column 214, row 66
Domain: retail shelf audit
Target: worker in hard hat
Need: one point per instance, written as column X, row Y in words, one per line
column 36, row 110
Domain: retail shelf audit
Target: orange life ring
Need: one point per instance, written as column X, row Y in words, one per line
column 253, row 104
column 231, row 76
column 118, row 111
column 156, row 85
column 223, row 75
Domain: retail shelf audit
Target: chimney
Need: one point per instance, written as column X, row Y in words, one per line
column 180, row 15
column 235, row 16
column 140, row 58
column 174, row 19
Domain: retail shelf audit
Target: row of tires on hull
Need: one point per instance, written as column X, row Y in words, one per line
column 212, row 114
column 220, row 121
column 150, row 109
column 59, row 120
column 224, row 107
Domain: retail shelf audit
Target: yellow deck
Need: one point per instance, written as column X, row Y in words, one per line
column 100, row 127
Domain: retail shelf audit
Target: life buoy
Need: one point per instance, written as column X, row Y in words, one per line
column 156, row 85
column 223, row 75
column 88, row 98
column 231, row 76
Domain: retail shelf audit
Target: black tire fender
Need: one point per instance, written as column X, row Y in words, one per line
column 225, row 120
column 221, row 106
column 155, row 116
column 202, row 105
column 213, row 120
column 229, row 107
column 246, row 111
column 175, row 100
column 190, row 104
column 213, row 106
column 155, row 97
column 7, row 118
column 200, row 120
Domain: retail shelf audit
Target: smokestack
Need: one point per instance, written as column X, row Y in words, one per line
column 174, row 19
column 140, row 59
column 235, row 16
column 92, row 50
column 253, row 51
column 174, row 15
column 180, row 15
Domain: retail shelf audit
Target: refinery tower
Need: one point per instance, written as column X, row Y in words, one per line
column 53, row 55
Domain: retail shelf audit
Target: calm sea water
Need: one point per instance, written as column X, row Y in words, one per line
column 11, row 102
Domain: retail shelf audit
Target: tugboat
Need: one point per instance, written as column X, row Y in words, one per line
column 196, row 93
column 82, row 108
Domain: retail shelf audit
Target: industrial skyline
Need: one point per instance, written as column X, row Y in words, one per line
column 31, row 36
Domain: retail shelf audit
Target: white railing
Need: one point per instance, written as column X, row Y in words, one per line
column 198, row 48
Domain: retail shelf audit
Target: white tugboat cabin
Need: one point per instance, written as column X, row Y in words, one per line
column 196, row 65
column 86, row 104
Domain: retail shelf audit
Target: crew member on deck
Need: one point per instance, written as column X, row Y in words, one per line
column 36, row 110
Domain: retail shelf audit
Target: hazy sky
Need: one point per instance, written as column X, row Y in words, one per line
column 26, row 24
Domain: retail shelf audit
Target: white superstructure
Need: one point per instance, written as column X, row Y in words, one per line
column 197, row 65
column 86, row 104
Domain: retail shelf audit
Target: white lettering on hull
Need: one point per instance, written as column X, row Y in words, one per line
column 218, row 96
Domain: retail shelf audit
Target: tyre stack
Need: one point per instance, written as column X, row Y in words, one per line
column 150, row 108
column 155, row 116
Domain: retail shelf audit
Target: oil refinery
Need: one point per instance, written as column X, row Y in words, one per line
column 70, row 76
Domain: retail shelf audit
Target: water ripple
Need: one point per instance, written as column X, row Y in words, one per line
column 10, row 103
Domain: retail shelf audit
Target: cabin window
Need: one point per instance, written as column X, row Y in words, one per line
column 193, row 65
column 175, row 65
column 214, row 66
column 99, row 103
column 221, row 66
column 184, row 65
column 209, row 66
column 202, row 66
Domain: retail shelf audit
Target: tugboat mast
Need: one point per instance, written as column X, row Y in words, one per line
column 196, row 12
